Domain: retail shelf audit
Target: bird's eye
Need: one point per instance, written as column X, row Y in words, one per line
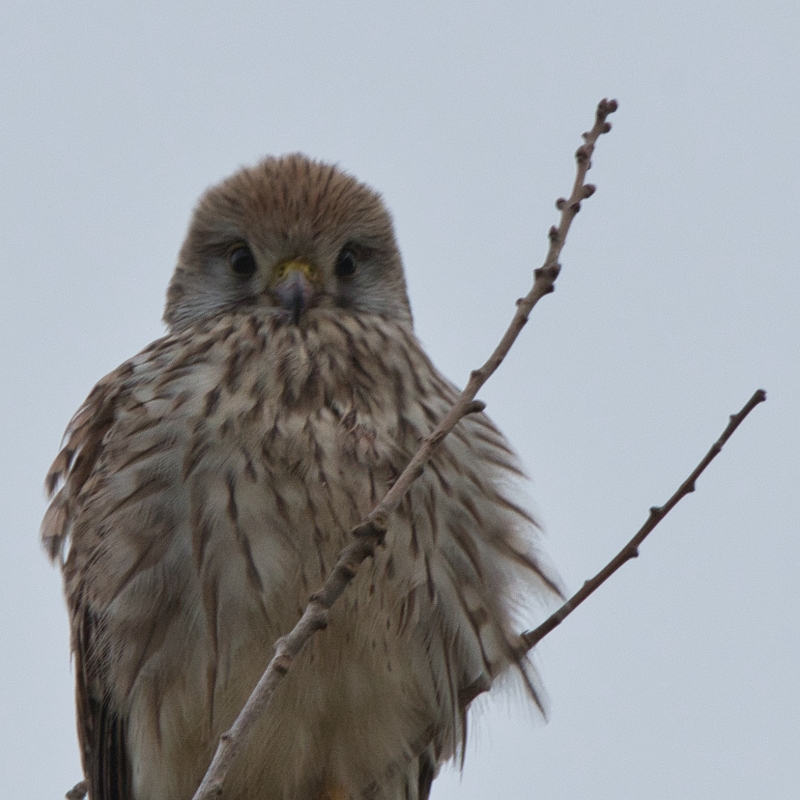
column 345, row 264
column 242, row 262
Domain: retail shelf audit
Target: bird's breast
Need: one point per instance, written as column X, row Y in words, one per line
column 243, row 473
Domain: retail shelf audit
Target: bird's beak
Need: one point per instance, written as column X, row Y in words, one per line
column 293, row 284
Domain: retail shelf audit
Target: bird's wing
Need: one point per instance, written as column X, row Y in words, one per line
column 101, row 730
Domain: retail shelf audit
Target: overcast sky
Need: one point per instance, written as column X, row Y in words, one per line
column 678, row 298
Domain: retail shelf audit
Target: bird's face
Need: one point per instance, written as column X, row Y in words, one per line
column 288, row 236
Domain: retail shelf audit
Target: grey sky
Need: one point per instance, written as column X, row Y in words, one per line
column 678, row 298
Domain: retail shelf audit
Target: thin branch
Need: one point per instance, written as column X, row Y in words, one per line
column 370, row 533
column 631, row 550
column 78, row 791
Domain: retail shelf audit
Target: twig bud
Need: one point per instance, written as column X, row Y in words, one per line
column 581, row 154
column 606, row 127
column 552, row 234
column 282, row 663
column 560, row 203
column 575, row 207
column 606, row 107
column 551, row 272
column 372, row 528
column 589, row 189
column 78, row 791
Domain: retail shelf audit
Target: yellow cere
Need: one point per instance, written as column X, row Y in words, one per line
column 285, row 268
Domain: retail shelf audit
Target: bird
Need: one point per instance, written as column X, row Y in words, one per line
column 204, row 488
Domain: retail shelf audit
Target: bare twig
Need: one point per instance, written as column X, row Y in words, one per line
column 371, row 531
column 78, row 791
column 631, row 550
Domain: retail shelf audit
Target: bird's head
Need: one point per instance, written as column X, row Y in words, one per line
column 288, row 236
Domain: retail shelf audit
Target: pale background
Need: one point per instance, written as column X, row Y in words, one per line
column 678, row 299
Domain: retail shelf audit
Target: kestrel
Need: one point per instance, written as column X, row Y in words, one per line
column 206, row 486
